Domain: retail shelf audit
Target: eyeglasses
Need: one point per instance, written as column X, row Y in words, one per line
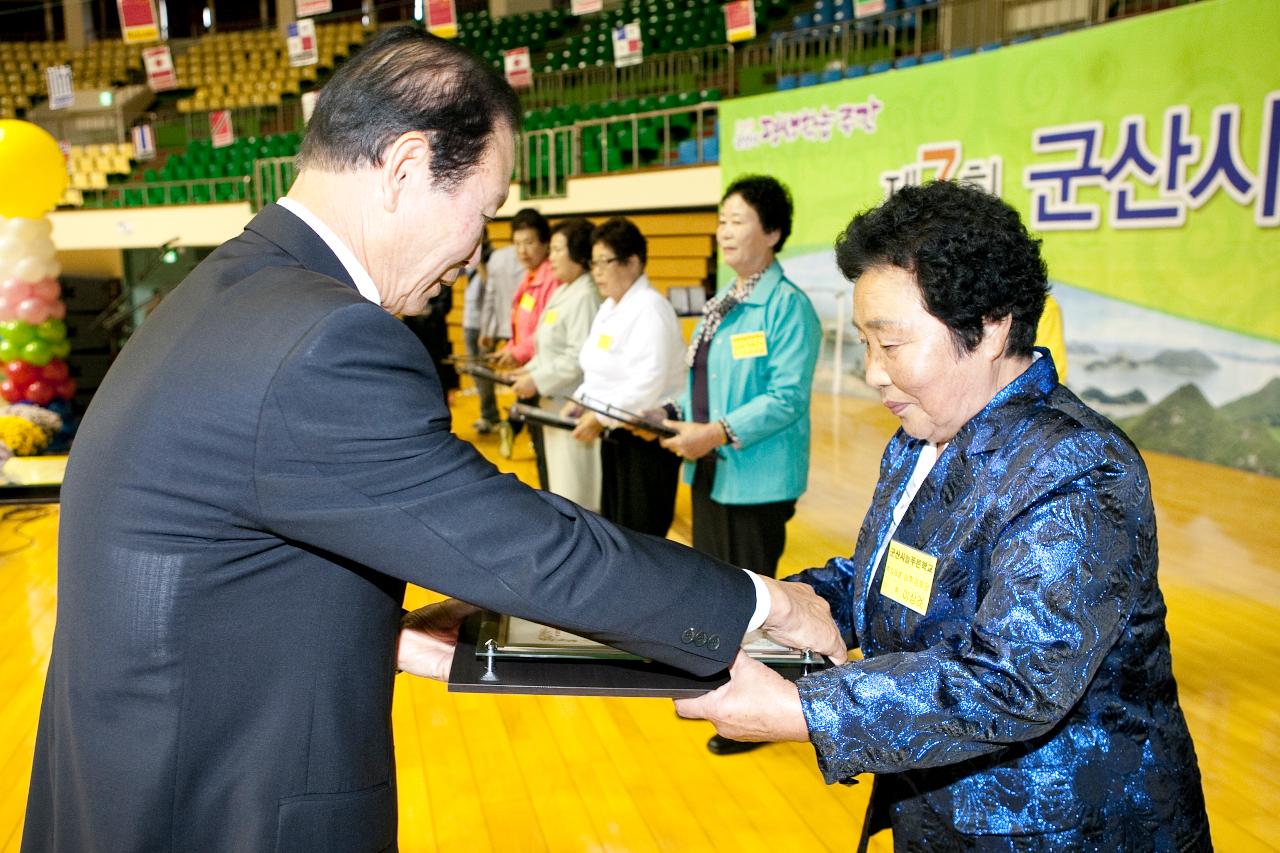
column 600, row 263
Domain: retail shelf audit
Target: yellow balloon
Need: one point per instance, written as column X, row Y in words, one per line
column 33, row 172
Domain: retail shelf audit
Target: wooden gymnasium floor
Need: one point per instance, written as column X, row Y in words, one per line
column 562, row 774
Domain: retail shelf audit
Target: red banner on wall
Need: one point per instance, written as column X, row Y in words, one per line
column 740, row 20
column 138, row 21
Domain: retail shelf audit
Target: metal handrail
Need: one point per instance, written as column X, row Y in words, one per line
column 168, row 190
column 568, row 138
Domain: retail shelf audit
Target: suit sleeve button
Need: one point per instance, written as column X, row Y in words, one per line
column 687, row 636
column 713, row 642
column 701, row 639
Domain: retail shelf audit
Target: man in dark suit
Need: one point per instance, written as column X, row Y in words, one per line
column 270, row 460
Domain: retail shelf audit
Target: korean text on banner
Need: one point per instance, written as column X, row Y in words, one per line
column 138, row 21
column 220, row 129
column 518, row 68
column 159, row 64
column 740, row 20
column 307, row 8
column 442, row 18
column 628, row 48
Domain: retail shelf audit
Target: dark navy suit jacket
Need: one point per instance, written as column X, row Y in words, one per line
column 1034, row 699
column 267, row 463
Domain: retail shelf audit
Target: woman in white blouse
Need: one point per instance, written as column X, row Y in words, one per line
column 573, row 467
column 633, row 360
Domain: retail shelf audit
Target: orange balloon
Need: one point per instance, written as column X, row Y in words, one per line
column 33, row 171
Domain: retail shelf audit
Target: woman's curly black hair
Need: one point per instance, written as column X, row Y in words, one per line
column 969, row 252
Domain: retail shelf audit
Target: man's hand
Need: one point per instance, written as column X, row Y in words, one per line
column 757, row 704
column 588, row 428
column 524, row 386
column 571, row 410
column 485, row 343
column 801, row 619
column 695, row 440
column 428, row 636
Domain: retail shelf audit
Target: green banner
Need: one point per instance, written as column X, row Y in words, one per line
column 1144, row 152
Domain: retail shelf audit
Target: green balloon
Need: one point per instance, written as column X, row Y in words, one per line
column 8, row 350
column 60, row 349
column 52, row 330
column 37, row 352
column 18, row 333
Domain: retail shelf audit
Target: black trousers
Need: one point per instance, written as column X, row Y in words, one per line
column 751, row 536
column 638, row 483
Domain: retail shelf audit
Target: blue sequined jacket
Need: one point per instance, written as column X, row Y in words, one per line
column 1034, row 702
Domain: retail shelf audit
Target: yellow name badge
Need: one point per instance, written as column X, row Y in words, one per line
column 908, row 577
column 527, row 302
column 604, row 342
column 748, row 345
column 550, row 316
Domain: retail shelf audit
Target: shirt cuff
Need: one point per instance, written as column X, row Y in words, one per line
column 764, row 602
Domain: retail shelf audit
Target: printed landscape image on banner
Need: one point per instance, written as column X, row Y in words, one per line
column 1146, row 155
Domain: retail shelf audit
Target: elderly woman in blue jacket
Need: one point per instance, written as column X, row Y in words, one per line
column 744, row 426
column 1016, row 690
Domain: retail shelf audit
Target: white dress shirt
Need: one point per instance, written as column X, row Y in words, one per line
column 633, row 358
column 364, row 282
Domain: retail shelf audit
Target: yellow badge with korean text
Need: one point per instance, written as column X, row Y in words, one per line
column 604, row 342
column 908, row 577
column 527, row 302
column 748, row 345
column 550, row 316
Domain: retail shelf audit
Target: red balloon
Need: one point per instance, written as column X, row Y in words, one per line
column 22, row 373
column 66, row 389
column 46, row 289
column 40, row 392
column 54, row 371
column 10, row 392
column 58, row 309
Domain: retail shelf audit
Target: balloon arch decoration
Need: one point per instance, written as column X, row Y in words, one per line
column 34, row 378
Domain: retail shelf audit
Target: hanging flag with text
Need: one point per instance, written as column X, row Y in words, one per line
column 518, row 68
column 628, row 48
column 740, row 20
column 301, row 41
column 61, row 92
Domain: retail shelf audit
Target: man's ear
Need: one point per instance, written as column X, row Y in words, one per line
column 406, row 166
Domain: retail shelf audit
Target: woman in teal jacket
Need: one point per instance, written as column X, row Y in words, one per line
column 744, row 416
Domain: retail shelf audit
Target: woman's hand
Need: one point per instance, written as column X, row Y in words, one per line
column 694, row 440
column 504, row 360
column 756, row 705
column 524, row 386
column 588, row 428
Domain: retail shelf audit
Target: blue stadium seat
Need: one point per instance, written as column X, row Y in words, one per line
column 787, row 81
column 961, row 51
column 802, row 21
column 809, row 78
column 1022, row 39
column 991, row 45
column 906, row 62
column 855, row 71
column 831, row 75
column 878, row 67
column 687, row 152
column 711, row 149
column 931, row 56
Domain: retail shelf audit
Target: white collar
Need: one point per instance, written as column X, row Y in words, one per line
column 364, row 282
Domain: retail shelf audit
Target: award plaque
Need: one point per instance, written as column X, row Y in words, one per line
column 503, row 654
